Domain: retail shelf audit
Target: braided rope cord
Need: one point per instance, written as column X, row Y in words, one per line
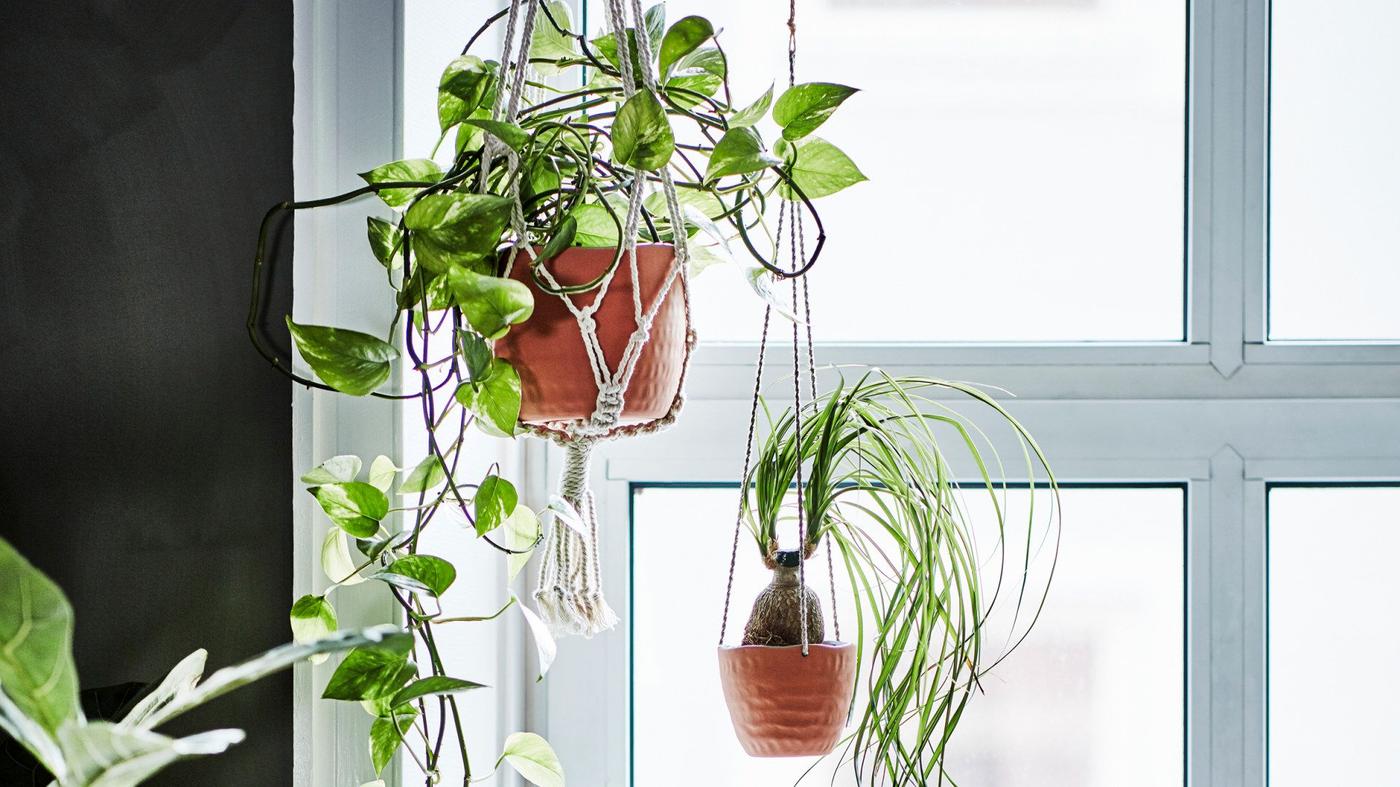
column 801, row 253
column 798, row 238
column 744, row 477
column 797, row 437
column 569, row 587
column 797, row 252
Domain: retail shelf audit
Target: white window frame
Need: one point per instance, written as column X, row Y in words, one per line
column 347, row 118
column 1224, row 412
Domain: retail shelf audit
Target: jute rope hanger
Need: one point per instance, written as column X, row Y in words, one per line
column 797, row 274
column 569, row 591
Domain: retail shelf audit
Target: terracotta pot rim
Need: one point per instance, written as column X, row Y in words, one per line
column 660, row 245
column 827, row 645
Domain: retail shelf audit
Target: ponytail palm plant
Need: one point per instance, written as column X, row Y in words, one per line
column 888, row 468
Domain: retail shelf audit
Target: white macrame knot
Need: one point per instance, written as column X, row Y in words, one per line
column 587, row 324
column 610, row 397
column 608, row 407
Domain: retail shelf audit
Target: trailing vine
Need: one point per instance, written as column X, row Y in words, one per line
column 571, row 150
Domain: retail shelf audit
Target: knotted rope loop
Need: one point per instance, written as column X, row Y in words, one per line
column 569, row 591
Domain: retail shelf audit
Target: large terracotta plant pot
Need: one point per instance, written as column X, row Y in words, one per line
column 784, row 704
column 548, row 351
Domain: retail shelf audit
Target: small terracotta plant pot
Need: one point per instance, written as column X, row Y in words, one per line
column 784, row 704
column 547, row 350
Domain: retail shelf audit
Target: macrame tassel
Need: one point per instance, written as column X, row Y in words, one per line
column 570, row 591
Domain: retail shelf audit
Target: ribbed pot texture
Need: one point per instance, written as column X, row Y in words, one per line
column 556, row 380
column 786, row 705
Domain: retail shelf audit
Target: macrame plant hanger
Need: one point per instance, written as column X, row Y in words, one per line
column 789, row 229
column 569, row 590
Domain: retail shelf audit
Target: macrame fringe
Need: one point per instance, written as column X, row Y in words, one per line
column 569, row 592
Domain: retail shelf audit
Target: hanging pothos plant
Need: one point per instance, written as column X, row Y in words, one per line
column 563, row 153
column 878, row 463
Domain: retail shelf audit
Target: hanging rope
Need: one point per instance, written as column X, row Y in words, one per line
column 748, row 462
column 797, row 253
column 569, row 590
column 797, row 437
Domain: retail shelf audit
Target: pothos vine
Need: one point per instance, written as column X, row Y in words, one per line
column 568, row 157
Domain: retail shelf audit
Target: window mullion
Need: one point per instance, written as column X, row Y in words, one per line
column 1229, row 105
column 1255, row 647
column 1228, row 662
column 1255, row 173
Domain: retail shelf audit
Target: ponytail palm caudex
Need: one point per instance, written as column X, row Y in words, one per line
column 889, row 468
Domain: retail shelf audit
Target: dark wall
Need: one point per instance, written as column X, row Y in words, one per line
column 145, row 456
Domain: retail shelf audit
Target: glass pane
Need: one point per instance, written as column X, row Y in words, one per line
column 1334, row 243
column 1026, row 167
column 1333, row 645
column 1093, row 699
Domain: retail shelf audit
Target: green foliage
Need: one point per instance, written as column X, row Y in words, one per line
column 534, row 759
column 654, row 20
column 39, row 689
column 475, row 352
column 495, row 500
column 348, row 361
column 512, row 135
column 801, row 109
column 382, row 472
column 753, row 113
column 819, row 168
column 418, row 170
column 883, row 454
column 596, row 226
column 431, row 686
column 424, row 291
column 354, row 506
column 683, row 38
column 457, row 229
column 491, row 304
column 428, row 474
column 698, row 75
column 373, row 671
column 467, row 83
column 494, row 396
column 562, row 238
column 556, row 176
column 738, row 152
column 36, row 643
column 550, row 43
column 335, row 470
column 570, row 161
column 425, row 572
column 312, row 618
column 642, row 135
column 522, row 531
column 386, row 243
column 386, row 734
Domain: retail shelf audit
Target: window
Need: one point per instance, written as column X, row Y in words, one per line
column 1086, row 698
column 1331, row 564
column 1014, row 155
column 1333, row 192
column 1069, row 271
column 1220, row 415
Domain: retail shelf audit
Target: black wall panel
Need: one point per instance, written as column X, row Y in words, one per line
column 145, row 456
